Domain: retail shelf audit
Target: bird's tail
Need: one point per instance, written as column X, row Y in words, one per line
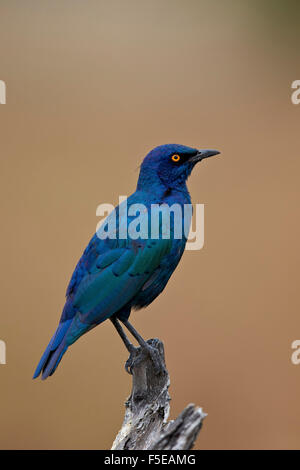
column 54, row 352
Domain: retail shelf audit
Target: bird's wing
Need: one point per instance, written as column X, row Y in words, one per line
column 88, row 258
column 116, row 277
column 105, row 282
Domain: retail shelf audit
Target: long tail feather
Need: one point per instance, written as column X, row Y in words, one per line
column 54, row 360
column 51, row 351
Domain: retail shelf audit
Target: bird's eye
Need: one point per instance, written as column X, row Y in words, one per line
column 176, row 158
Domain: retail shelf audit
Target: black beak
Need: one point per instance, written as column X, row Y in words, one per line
column 204, row 153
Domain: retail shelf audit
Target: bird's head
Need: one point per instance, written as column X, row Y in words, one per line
column 171, row 165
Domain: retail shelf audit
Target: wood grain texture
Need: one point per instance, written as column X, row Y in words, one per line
column 146, row 425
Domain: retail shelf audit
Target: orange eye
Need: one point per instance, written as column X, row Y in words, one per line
column 175, row 158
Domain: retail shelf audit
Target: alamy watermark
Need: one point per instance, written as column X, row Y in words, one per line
column 2, row 92
column 2, row 352
column 296, row 94
column 295, row 357
column 161, row 221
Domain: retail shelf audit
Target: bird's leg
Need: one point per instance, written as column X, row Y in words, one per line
column 129, row 346
column 154, row 354
column 125, row 339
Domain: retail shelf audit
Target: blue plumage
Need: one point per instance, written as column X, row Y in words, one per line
column 115, row 275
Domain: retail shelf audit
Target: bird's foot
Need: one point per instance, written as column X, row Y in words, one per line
column 138, row 355
column 131, row 361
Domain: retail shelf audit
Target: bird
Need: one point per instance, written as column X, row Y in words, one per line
column 116, row 275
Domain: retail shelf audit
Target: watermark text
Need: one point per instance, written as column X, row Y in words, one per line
column 295, row 357
column 296, row 94
column 2, row 92
column 2, row 352
column 157, row 221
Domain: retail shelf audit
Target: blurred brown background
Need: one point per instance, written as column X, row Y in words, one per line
column 92, row 86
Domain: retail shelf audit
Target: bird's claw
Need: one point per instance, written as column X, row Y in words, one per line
column 138, row 354
column 129, row 364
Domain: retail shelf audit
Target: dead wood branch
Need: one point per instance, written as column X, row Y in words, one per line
column 146, row 425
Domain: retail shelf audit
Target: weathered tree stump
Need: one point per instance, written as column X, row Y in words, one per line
column 146, row 425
